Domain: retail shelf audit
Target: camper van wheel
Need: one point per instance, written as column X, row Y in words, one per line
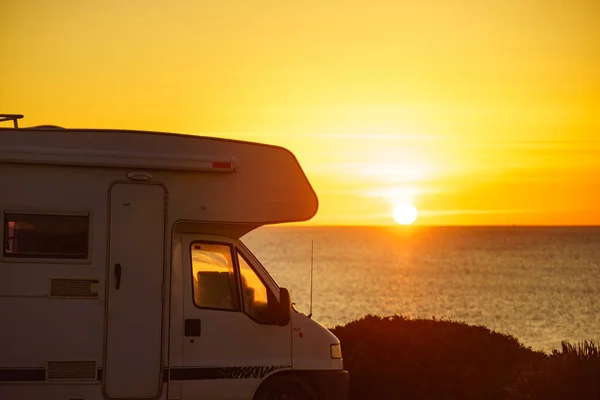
column 285, row 387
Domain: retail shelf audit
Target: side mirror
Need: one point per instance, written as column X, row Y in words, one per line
column 283, row 310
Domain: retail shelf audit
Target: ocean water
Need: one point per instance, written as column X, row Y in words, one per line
column 539, row 284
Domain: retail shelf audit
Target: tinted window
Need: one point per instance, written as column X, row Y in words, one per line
column 214, row 277
column 46, row 236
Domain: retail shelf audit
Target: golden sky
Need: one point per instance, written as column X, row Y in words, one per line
column 477, row 112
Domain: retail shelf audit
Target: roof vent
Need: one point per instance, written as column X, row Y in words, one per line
column 46, row 127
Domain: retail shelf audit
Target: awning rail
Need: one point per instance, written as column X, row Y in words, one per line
column 11, row 117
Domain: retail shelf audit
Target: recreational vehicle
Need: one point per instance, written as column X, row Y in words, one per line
column 122, row 273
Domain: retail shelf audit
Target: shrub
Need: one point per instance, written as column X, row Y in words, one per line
column 572, row 373
column 397, row 357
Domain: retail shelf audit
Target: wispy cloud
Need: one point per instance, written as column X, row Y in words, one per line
column 395, row 195
column 374, row 136
column 427, row 213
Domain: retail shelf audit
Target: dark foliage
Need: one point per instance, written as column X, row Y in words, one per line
column 401, row 358
column 572, row 373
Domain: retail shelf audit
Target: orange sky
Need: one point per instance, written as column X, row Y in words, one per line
column 477, row 112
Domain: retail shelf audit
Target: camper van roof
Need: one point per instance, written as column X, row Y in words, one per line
column 265, row 180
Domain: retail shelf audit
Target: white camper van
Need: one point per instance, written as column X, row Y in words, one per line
column 122, row 275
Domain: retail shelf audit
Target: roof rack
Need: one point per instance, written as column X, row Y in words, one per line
column 11, row 117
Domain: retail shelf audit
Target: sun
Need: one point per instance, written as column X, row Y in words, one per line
column 405, row 213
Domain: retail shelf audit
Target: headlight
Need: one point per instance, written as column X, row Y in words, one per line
column 336, row 351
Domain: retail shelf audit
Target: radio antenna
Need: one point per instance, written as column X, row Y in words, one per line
column 312, row 252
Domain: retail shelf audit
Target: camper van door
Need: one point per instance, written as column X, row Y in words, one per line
column 132, row 353
column 230, row 344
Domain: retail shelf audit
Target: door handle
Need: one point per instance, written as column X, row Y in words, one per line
column 118, row 275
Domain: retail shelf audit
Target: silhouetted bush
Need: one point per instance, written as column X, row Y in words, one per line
column 572, row 373
column 400, row 358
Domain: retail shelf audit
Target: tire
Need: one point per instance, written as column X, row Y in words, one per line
column 285, row 387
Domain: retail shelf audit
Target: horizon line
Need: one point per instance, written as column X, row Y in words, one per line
column 308, row 225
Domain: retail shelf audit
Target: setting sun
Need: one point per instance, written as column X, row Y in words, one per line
column 405, row 213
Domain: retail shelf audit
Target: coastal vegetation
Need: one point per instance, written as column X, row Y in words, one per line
column 402, row 358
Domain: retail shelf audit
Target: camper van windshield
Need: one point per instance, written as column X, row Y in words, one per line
column 45, row 236
column 255, row 295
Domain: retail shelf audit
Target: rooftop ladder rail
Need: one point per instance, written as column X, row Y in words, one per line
column 11, row 117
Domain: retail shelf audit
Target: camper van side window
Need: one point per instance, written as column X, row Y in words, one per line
column 214, row 277
column 46, row 236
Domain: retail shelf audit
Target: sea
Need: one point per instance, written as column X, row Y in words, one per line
column 539, row 284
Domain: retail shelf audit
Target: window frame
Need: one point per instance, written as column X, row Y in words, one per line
column 46, row 259
column 235, row 272
column 257, row 266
